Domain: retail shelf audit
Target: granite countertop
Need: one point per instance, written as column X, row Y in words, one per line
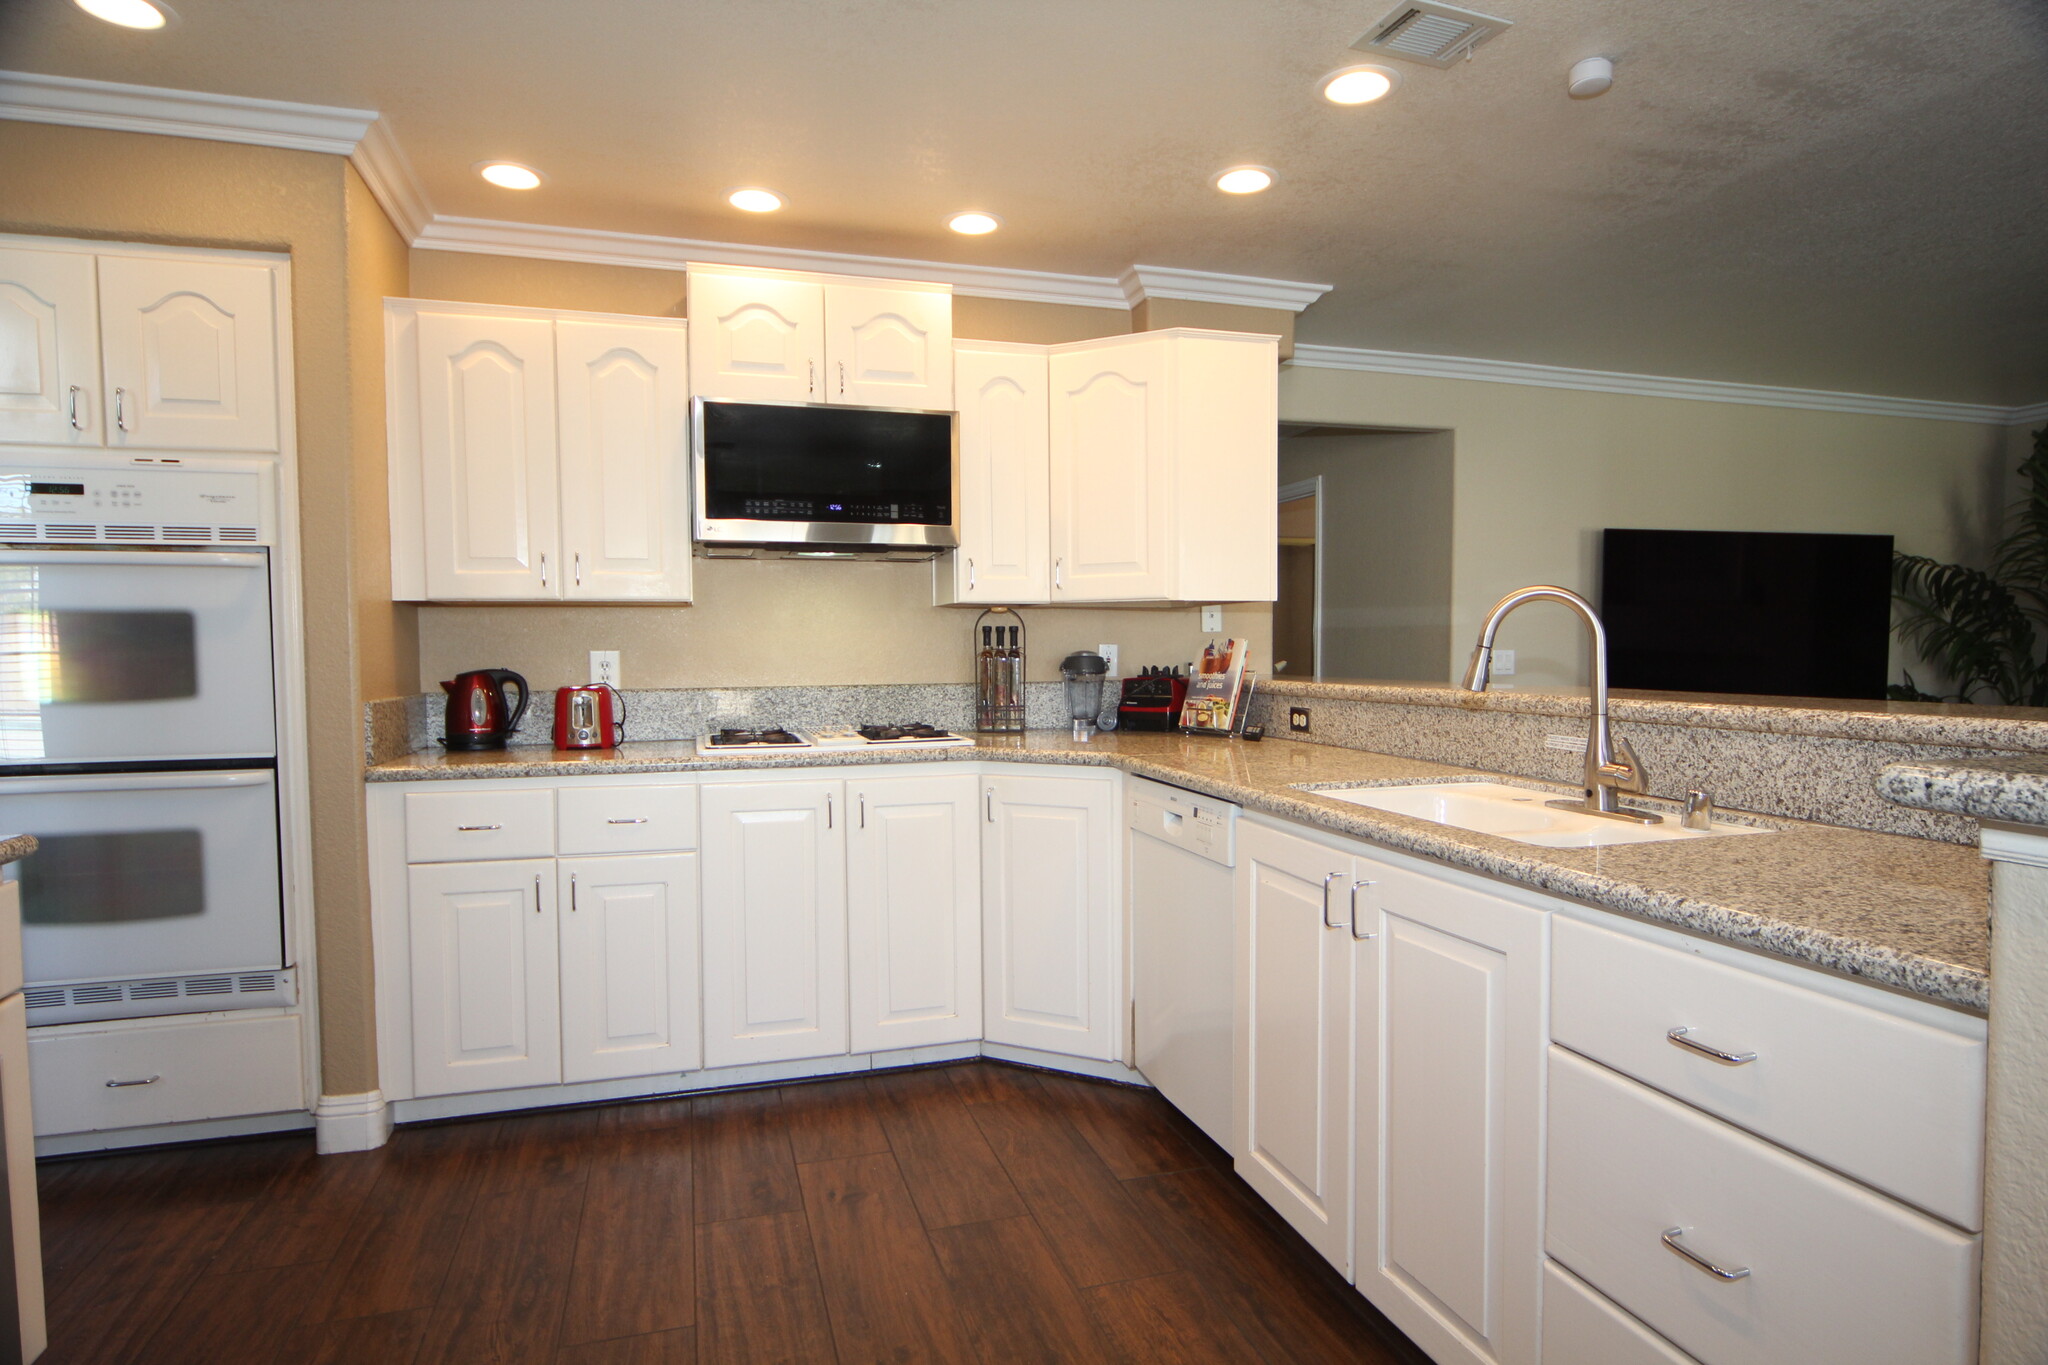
column 1907, row 913
column 14, row 847
column 2012, row 788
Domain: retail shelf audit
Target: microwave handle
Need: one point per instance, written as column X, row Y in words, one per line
column 135, row 782
column 57, row 556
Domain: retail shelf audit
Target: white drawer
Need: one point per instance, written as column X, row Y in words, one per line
column 469, row 826
column 1582, row 1328
column 626, row 819
column 1837, row 1275
column 213, row 1070
column 1896, row 1103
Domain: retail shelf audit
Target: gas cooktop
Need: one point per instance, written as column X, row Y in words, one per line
column 774, row 739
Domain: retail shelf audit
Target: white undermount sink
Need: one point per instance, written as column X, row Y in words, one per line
column 1520, row 814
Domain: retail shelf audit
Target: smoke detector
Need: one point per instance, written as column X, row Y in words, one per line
column 1430, row 33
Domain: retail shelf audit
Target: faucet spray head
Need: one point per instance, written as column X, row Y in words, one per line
column 1479, row 672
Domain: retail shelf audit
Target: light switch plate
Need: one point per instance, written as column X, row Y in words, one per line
column 1109, row 652
column 1212, row 620
column 604, row 667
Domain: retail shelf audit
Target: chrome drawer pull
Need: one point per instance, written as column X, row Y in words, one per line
column 1719, row 1272
column 472, row 829
column 1355, row 935
column 636, row 820
column 1682, row 1037
column 123, row 1085
column 1326, row 900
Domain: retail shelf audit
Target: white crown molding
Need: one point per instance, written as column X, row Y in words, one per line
column 596, row 247
column 1141, row 282
column 182, row 113
column 1650, row 386
column 382, row 163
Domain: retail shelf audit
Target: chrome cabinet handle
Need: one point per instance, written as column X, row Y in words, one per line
column 123, row 1085
column 471, row 829
column 863, row 799
column 1355, row 935
column 842, row 379
column 1682, row 1037
column 121, row 408
column 572, row 893
column 543, row 568
column 828, row 810
column 536, row 893
column 812, row 383
column 970, row 575
column 76, row 425
column 989, row 804
column 1326, row 899
column 579, row 568
column 1057, row 578
column 1719, row 1272
column 635, row 820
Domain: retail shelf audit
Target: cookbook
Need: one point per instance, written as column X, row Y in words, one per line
column 1216, row 693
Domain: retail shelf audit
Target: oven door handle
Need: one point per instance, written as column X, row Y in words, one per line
column 168, row 557
column 136, row 782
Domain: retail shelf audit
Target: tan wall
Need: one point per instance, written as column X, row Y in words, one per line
column 387, row 632
column 84, row 182
column 1386, row 550
column 1541, row 471
column 1154, row 315
column 774, row 622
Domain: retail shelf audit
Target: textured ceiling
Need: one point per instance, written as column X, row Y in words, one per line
column 1834, row 194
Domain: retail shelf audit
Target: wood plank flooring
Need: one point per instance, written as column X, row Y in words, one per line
column 967, row 1213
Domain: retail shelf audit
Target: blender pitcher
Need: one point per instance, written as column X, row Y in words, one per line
column 1083, row 674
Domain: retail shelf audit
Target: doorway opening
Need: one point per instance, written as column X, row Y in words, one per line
column 1297, row 611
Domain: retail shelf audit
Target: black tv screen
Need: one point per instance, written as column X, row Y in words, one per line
column 1759, row 613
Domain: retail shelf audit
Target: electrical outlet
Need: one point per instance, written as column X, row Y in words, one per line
column 1109, row 652
column 1503, row 663
column 604, row 667
column 1297, row 719
column 1212, row 620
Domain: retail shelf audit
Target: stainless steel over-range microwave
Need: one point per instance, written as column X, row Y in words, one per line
column 777, row 473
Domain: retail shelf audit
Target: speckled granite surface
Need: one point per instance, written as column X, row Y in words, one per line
column 1906, row 913
column 2013, row 790
column 16, row 846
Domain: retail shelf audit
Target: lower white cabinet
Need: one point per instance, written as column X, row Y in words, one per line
column 629, row 965
column 1580, row 1327
column 774, row 921
column 1293, row 1043
column 485, row 993
column 913, row 882
column 1449, row 1092
column 1050, row 967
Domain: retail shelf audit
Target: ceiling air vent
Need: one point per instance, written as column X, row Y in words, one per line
column 1426, row 32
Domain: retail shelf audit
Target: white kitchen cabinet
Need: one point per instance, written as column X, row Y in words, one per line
column 1049, row 923
column 782, row 336
column 1449, row 1115
column 913, row 865
column 190, row 349
column 1293, row 1045
column 774, row 911
column 536, row 455
column 139, row 348
column 485, row 999
column 489, row 457
column 623, row 409
column 629, row 973
column 1005, row 552
column 1163, row 455
column 49, row 348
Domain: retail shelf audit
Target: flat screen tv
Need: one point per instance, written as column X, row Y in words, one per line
column 1759, row 613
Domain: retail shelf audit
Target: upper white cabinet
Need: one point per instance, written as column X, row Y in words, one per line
column 1164, row 462
column 537, row 456
column 774, row 921
column 150, row 350
column 913, row 872
column 1005, row 552
column 774, row 335
column 1049, row 923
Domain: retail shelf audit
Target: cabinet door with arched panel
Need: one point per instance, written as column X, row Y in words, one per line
column 190, row 353
column 754, row 336
column 49, row 348
column 889, row 348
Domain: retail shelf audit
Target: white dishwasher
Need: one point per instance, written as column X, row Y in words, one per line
column 1183, row 949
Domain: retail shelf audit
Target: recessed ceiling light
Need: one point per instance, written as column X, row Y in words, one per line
column 1244, row 179
column 974, row 222
column 1359, row 84
column 509, row 175
column 755, row 200
column 129, row 13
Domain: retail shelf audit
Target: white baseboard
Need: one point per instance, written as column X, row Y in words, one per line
column 351, row 1123
column 1054, row 1061
column 156, row 1134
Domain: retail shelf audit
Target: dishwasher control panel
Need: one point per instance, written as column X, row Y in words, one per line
column 1203, row 825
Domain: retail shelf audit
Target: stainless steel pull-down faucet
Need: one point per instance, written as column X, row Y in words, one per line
column 1611, row 765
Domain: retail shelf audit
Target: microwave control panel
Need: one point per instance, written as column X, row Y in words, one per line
column 135, row 499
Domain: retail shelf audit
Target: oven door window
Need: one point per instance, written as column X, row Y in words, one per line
column 125, row 878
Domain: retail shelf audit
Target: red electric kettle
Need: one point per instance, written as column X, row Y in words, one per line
column 478, row 715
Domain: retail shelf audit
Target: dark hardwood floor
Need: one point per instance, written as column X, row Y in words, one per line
column 974, row 1212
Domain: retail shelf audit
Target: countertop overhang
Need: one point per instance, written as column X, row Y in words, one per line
column 1909, row 914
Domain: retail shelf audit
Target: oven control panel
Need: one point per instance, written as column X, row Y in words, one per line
column 181, row 503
